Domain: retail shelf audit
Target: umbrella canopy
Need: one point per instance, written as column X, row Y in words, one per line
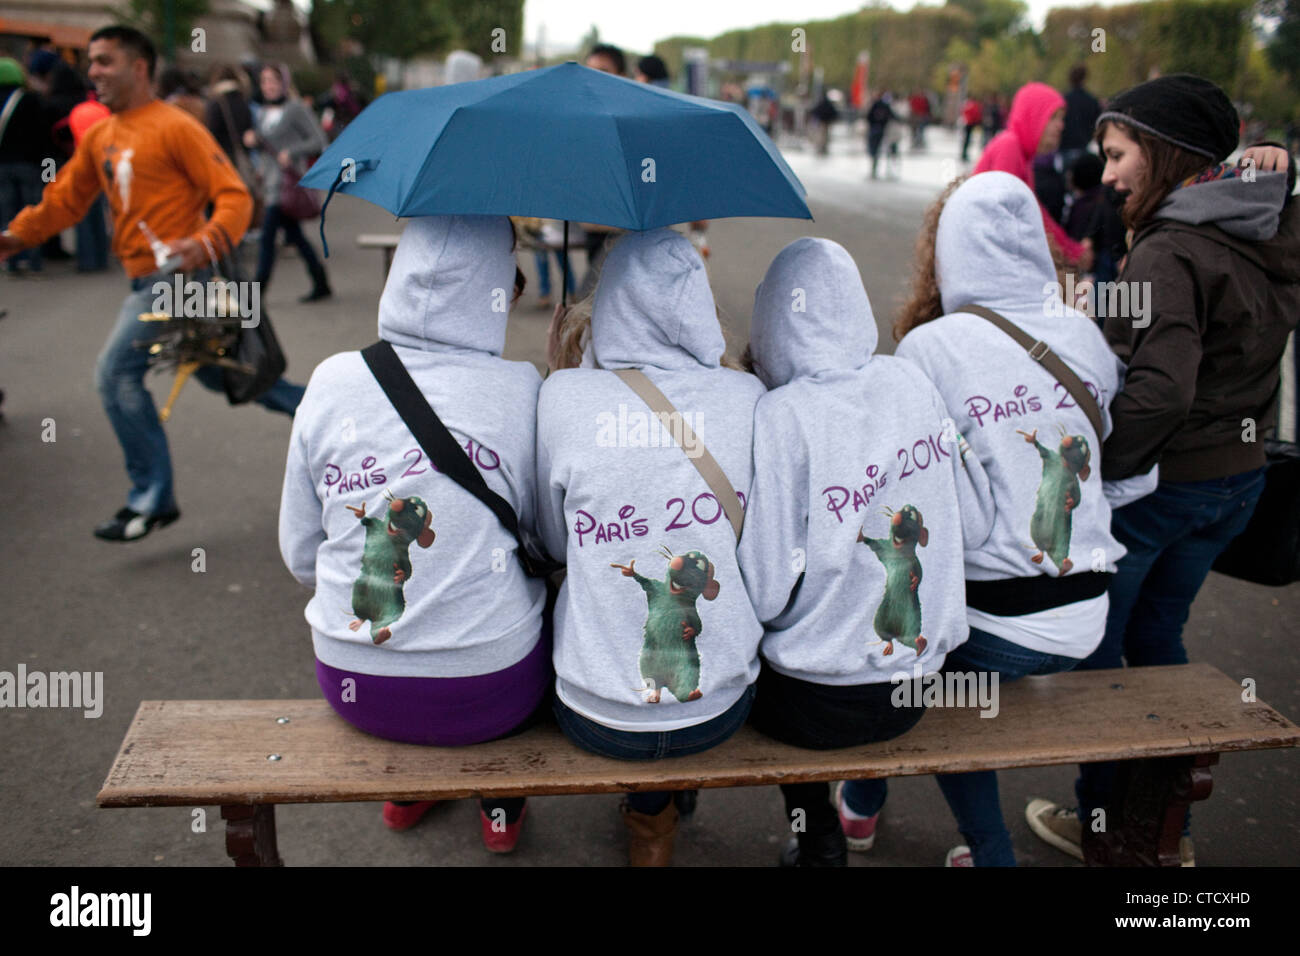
column 564, row 142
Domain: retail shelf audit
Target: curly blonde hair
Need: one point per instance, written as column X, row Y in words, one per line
column 924, row 303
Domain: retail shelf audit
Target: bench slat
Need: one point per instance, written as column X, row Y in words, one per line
column 372, row 240
column 210, row 752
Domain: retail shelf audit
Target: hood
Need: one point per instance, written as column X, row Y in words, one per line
column 653, row 305
column 450, row 284
column 1246, row 210
column 1032, row 107
column 990, row 248
column 811, row 314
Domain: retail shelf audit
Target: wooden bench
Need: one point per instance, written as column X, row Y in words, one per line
column 1169, row 724
column 378, row 240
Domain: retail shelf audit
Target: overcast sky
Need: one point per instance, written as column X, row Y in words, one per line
column 637, row 25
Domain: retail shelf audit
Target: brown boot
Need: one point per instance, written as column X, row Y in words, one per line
column 650, row 838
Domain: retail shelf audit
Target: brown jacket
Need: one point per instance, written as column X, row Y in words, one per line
column 1221, row 309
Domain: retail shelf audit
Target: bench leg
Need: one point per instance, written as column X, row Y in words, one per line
column 1151, row 803
column 250, row 835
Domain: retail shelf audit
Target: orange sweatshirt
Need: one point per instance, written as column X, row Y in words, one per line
column 155, row 163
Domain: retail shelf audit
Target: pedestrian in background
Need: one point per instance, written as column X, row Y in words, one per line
column 972, row 115
column 879, row 115
column 287, row 137
column 22, row 134
column 1034, row 129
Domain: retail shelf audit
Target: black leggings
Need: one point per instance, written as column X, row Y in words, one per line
column 826, row 717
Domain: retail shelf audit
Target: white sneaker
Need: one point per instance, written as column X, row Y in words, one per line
column 959, row 856
column 1056, row 825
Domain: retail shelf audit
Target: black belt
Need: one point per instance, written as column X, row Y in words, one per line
column 1012, row 597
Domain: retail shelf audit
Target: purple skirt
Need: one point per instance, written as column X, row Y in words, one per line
column 441, row 711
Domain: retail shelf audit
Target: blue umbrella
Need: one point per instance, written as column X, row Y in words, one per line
column 566, row 142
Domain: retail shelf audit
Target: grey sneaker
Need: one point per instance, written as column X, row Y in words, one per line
column 1056, row 825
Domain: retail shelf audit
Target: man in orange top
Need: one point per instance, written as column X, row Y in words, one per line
column 157, row 166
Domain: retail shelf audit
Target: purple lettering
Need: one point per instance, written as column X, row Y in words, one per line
column 832, row 504
column 578, row 526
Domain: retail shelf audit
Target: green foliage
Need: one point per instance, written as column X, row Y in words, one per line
column 409, row 28
column 904, row 47
column 1120, row 46
column 1205, row 37
column 1269, row 92
column 1000, row 65
column 1283, row 50
column 150, row 18
column 993, row 18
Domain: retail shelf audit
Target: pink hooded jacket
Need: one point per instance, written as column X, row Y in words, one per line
column 1012, row 150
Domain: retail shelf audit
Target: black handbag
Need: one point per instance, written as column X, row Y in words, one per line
column 1268, row 551
column 448, row 456
column 256, row 348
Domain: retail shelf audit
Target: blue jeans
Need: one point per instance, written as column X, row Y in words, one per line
column 119, row 377
column 1173, row 536
column 651, row 744
column 542, row 259
column 973, row 797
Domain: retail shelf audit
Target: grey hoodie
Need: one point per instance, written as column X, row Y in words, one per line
column 991, row 250
column 653, row 628
column 864, row 497
column 464, row 606
column 1246, row 209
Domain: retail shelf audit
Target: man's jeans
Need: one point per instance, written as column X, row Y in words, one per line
column 119, row 376
column 1173, row 537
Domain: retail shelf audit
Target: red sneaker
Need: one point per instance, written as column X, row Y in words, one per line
column 498, row 839
column 398, row 817
column 859, row 832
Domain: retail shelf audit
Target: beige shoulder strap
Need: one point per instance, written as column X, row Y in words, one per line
column 1055, row 365
column 704, row 463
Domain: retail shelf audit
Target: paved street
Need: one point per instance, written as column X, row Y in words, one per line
column 156, row 629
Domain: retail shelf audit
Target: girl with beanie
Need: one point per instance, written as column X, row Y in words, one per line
column 1034, row 128
column 1215, row 247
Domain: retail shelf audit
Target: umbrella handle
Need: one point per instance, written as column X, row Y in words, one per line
column 343, row 168
column 564, row 264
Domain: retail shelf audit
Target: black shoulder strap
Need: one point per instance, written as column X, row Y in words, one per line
column 439, row 444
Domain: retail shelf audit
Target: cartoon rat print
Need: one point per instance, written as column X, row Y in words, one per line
column 898, row 618
column 386, row 563
column 1058, row 495
column 669, row 657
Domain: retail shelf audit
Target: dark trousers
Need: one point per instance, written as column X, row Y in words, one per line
column 1172, row 537
column 275, row 221
column 825, row 717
